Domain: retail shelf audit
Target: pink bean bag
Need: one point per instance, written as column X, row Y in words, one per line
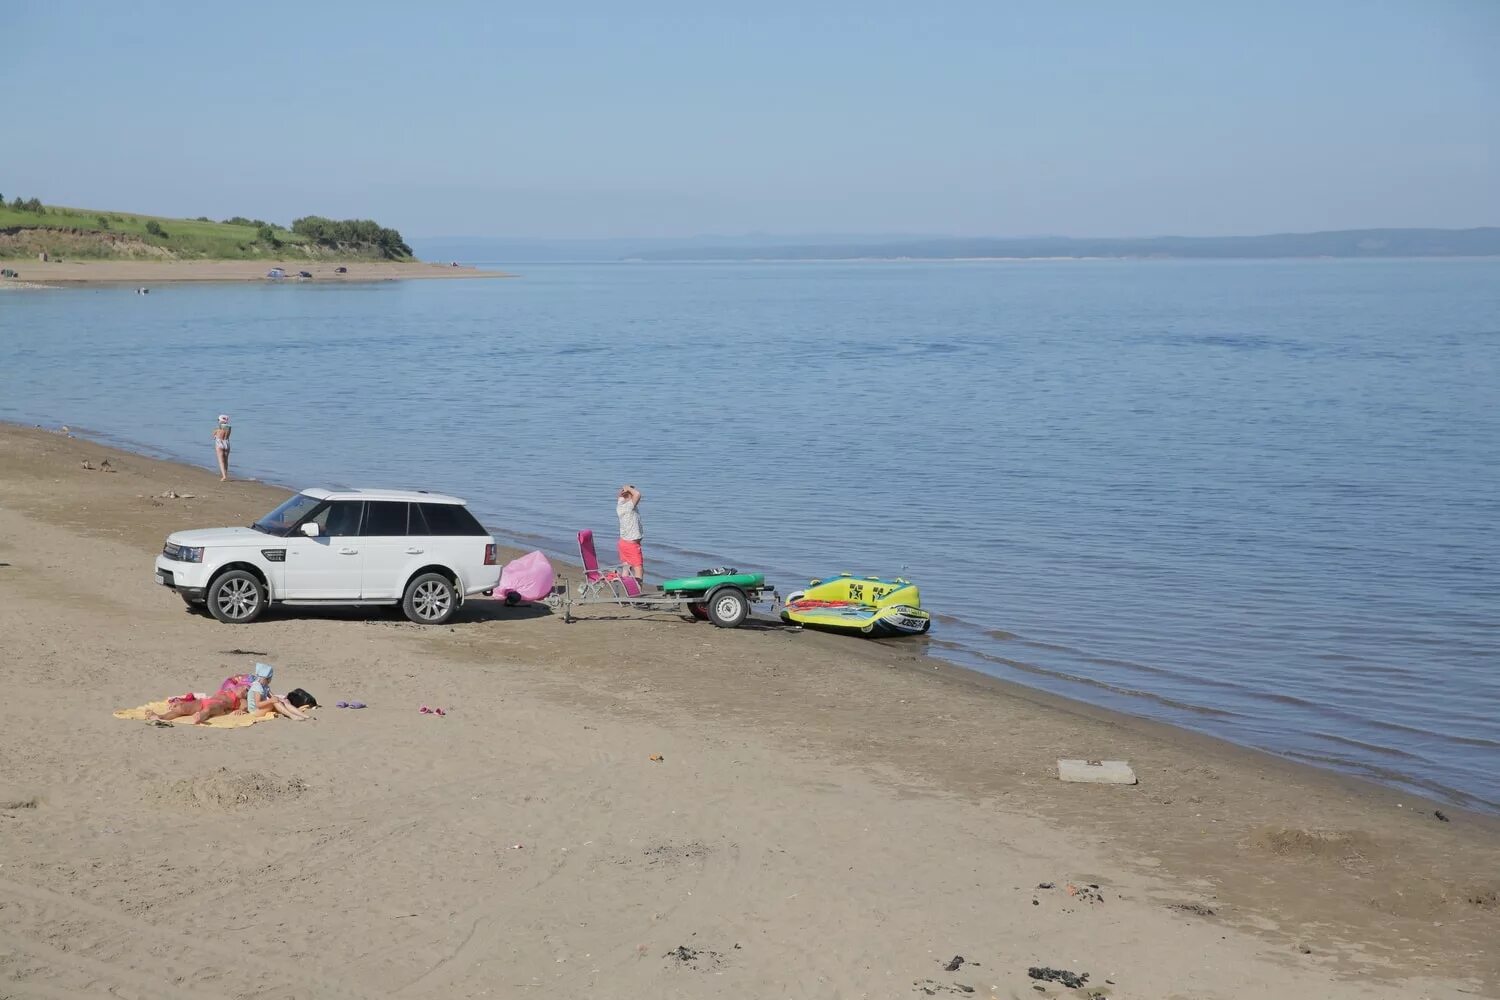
column 528, row 578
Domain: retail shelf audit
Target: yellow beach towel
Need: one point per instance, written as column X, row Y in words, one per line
column 231, row 721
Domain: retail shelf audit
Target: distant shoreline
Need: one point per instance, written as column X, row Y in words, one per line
column 1161, row 258
column 1482, row 241
column 67, row 273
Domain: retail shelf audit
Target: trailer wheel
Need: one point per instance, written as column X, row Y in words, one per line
column 728, row 607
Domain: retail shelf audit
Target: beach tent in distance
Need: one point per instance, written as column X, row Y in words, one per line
column 276, row 272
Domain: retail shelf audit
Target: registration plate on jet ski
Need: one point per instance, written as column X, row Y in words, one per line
column 915, row 624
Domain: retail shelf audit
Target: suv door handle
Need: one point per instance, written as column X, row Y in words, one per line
column 348, row 552
column 414, row 552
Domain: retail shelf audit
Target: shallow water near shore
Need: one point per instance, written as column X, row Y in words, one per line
column 1257, row 499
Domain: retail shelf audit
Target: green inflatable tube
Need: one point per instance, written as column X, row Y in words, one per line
column 703, row 584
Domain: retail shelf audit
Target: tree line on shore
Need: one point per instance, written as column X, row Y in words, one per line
column 33, row 205
column 362, row 232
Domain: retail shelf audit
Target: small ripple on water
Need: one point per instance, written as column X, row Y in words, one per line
column 1080, row 680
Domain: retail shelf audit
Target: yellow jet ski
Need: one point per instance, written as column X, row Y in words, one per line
column 863, row 605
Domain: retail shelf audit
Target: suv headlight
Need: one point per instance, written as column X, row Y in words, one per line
column 183, row 553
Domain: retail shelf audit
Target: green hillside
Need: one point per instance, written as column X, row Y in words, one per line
column 28, row 228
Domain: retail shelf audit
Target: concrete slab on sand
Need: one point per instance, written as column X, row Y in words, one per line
column 1098, row 772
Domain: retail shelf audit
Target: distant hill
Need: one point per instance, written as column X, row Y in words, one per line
column 1482, row 242
column 27, row 228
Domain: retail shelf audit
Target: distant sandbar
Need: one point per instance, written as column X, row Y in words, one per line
column 34, row 273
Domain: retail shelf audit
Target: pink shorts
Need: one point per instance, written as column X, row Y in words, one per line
column 630, row 553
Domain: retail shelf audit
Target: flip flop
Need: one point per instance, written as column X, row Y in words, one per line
column 342, row 704
column 425, row 710
column 356, row 704
column 439, row 711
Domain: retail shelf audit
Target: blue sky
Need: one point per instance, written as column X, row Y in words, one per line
column 1092, row 117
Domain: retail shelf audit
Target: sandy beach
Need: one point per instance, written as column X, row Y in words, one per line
column 149, row 272
column 829, row 817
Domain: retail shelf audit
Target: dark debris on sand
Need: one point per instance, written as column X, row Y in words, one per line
column 695, row 958
column 1072, row 980
column 1085, row 893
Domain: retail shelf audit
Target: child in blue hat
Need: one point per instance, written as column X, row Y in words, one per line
column 259, row 699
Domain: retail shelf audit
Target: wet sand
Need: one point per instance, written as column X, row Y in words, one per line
column 831, row 817
column 149, row 272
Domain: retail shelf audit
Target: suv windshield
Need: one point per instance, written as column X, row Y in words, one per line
column 283, row 519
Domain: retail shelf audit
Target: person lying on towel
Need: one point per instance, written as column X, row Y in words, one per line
column 229, row 698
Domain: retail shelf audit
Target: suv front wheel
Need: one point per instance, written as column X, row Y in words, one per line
column 430, row 599
column 236, row 597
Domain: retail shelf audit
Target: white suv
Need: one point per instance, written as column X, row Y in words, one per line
column 421, row 550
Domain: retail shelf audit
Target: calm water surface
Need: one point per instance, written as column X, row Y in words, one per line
column 1257, row 499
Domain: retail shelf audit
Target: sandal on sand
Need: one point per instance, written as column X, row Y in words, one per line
column 356, row 704
column 425, row 710
column 439, row 711
column 342, row 704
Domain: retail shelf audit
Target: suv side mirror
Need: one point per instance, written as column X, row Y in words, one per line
column 310, row 529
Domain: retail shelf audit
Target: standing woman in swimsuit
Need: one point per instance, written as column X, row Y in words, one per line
column 221, row 446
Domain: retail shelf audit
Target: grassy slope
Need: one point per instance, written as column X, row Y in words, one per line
column 185, row 238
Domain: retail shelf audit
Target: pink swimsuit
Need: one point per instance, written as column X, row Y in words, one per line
column 234, row 686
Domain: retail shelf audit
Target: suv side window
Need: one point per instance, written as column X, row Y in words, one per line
column 340, row 518
column 448, row 519
column 384, row 519
column 418, row 523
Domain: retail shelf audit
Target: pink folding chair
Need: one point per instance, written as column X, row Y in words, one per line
column 614, row 581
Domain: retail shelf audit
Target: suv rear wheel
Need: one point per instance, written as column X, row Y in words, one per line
column 236, row 597
column 430, row 599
